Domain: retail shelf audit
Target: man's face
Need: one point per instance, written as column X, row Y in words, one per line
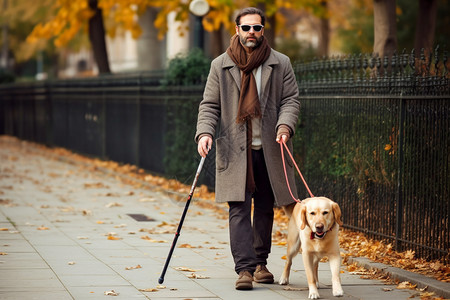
column 250, row 39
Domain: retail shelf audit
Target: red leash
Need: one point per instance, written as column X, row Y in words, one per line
column 298, row 170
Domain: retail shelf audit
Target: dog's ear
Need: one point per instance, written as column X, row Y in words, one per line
column 303, row 217
column 337, row 213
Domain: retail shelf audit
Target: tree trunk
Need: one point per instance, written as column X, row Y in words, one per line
column 324, row 31
column 97, row 38
column 217, row 45
column 150, row 50
column 269, row 34
column 385, row 27
column 426, row 25
column 4, row 59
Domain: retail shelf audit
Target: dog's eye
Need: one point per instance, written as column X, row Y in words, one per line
column 325, row 212
column 313, row 213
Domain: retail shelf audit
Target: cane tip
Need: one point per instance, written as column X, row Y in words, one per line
column 160, row 280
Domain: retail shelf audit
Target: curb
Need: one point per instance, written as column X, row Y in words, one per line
column 438, row 287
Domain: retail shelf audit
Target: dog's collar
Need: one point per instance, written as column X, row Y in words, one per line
column 315, row 235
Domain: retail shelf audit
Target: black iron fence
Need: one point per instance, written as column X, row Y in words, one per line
column 374, row 135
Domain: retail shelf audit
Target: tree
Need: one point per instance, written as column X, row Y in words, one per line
column 324, row 29
column 97, row 38
column 426, row 25
column 385, row 27
column 77, row 17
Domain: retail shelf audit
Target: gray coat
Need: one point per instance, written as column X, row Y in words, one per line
column 217, row 117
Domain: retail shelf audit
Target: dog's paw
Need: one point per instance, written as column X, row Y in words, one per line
column 283, row 280
column 337, row 289
column 313, row 293
column 338, row 292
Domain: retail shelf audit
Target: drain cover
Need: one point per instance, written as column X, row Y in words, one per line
column 141, row 217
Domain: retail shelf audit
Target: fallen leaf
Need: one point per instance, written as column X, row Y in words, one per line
column 406, row 285
column 196, row 276
column 4, row 229
column 160, row 287
column 113, row 238
column 95, row 185
column 147, row 238
column 100, row 222
column 113, row 204
column 82, row 237
column 43, row 228
column 3, row 253
column 423, row 289
column 148, row 290
column 132, row 268
column 387, row 289
column 147, row 200
column 111, row 293
column 185, row 269
column 427, row 295
column 71, row 263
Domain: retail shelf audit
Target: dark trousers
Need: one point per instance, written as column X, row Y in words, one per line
column 251, row 242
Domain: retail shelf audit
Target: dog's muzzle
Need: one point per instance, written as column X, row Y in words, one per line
column 317, row 235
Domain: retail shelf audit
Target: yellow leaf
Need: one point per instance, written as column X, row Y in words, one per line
column 148, row 290
column 406, row 285
column 113, row 238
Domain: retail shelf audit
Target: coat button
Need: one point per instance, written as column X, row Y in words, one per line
column 242, row 128
column 242, row 148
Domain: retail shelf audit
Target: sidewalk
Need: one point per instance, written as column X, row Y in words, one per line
column 68, row 232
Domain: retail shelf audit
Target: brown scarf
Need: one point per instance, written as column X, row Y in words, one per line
column 248, row 106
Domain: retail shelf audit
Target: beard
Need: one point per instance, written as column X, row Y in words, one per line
column 251, row 44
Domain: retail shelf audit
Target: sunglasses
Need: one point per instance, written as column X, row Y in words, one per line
column 256, row 28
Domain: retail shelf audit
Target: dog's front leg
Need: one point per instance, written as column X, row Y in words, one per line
column 308, row 261
column 335, row 264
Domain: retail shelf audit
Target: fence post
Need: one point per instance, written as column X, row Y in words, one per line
column 399, row 200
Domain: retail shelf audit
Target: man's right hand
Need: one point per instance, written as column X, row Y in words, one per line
column 204, row 145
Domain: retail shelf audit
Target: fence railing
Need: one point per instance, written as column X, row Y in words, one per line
column 373, row 135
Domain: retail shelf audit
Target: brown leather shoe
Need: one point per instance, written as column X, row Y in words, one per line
column 244, row 281
column 262, row 275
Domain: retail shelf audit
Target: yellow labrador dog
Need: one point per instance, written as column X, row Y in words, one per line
column 316, row 220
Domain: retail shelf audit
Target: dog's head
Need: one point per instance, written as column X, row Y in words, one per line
column 320, row 214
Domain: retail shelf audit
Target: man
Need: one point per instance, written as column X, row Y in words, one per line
column 249, row 104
